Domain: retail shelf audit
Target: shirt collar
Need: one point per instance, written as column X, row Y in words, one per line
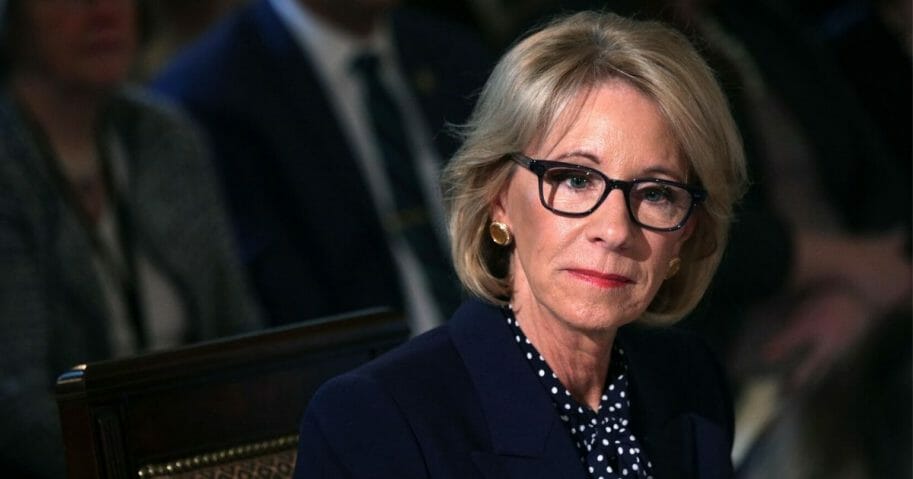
column 331, row 48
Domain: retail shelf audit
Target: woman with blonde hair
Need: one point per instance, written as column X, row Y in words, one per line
column 588, row 207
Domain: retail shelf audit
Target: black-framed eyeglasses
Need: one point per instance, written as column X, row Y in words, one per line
column 574, row 190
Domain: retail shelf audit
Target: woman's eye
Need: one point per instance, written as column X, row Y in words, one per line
column 655, row 194
column 574, row 180
column 578, row 182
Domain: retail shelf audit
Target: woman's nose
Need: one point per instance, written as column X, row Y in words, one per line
column 611, row 223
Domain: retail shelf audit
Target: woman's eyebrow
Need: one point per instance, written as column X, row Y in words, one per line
column 651, row 171
column 583, row 154
column 663, row 171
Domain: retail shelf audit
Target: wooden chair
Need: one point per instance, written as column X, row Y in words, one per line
column 225, row 408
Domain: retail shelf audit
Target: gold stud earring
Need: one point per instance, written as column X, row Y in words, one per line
column 500, row 233
column 674, row 265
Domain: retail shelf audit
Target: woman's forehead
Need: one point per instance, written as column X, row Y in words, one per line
column 611, row 121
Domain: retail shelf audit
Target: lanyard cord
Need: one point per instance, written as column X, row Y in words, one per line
column 125, row 275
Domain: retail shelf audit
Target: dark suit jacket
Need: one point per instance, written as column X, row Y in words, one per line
column 310, row 236
column 462, row 402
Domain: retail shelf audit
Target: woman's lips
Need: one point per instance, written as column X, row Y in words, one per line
column 602, row 280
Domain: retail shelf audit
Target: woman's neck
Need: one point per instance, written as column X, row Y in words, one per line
column 580, row 360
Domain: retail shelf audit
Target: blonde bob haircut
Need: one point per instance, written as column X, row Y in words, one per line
column 536, row 82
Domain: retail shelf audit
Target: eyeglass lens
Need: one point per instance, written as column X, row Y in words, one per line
column 578, row 191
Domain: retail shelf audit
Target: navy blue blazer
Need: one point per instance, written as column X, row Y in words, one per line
column 461, row 402
column 307, row 226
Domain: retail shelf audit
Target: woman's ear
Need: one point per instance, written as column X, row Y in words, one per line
column 686, row 233
column 498, row 206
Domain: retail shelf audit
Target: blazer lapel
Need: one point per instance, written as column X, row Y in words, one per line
column 685, row 447
column 679, row 442
column 527, row 436
column 656, row 422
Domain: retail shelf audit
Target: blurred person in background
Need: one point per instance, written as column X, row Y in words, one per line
column 326, row 119
column 113, row 237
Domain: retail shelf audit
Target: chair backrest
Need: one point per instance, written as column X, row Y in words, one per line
column 231, row 405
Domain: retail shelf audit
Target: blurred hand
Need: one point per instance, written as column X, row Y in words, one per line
column 821, row 330
column 876, row 267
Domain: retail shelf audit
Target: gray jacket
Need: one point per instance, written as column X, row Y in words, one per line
column 52, row 309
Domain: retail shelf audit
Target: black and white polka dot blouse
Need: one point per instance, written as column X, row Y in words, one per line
column 604, row 439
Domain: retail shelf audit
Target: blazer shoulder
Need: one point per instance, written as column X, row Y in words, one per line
column 232, row 48
column 151, row 122
column 424, row 375
column 144, row 104
column 352, row 427
column 359, row 420
column 426, row 357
